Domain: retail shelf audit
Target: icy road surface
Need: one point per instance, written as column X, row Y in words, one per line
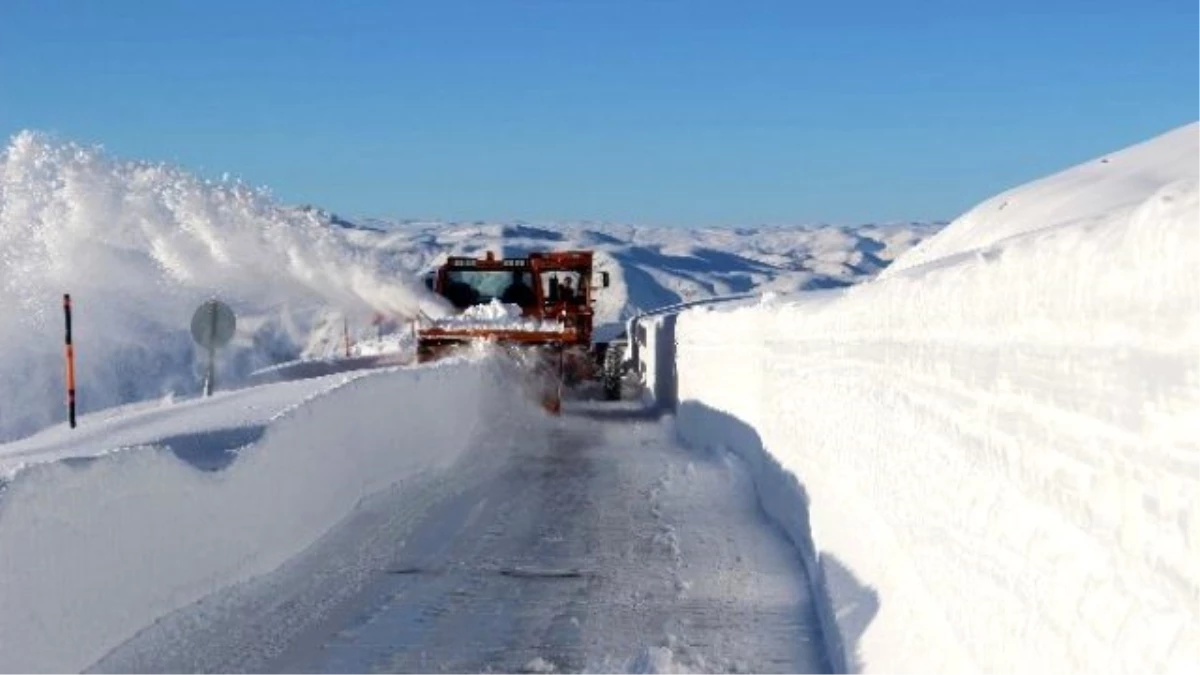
column 600, row 545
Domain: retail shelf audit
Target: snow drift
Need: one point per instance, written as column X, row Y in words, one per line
column 990, row 454
column 151, row 509
column 139, row 246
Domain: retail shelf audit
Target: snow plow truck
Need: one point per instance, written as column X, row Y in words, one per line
column 539, row 307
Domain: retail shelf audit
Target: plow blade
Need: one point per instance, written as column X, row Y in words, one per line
column 541, row 361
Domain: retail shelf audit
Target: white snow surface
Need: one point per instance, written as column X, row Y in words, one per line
column 149, row 509
column 497, row 315
column 590, row 542
column 140, row 245
column 493, row 311
column 989, row 457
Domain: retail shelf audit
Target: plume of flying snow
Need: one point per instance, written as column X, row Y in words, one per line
column 139, row 246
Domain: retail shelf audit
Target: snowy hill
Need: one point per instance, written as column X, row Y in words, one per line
column 655, row 267
column 140, row 245
column 990, row 454
column 1106, row 188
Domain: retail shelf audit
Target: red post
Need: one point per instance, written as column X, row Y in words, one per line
column 70, row 354
column 346, row 334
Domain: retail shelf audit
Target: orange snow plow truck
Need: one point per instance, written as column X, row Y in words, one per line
column 539, row 307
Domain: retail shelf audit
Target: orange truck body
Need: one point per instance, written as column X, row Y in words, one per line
column 563, row 314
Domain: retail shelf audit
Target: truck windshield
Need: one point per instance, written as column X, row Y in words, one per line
column 475, row 287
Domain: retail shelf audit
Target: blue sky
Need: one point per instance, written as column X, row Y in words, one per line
column 652, row 111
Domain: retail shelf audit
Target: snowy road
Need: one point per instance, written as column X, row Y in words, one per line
column 595, row 544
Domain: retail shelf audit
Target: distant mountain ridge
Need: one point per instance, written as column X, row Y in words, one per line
column 656, row 266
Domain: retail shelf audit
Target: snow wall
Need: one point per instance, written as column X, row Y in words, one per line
column 989, row 460
column 92, row 549
column 650, row 349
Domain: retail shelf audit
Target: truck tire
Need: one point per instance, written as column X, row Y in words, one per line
column 610, row 374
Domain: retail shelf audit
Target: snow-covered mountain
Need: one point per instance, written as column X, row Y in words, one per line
column 655, row 267
column 140, row 245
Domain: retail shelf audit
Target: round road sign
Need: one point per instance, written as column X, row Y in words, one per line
column 213, row 324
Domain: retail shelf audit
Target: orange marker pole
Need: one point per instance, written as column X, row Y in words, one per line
column 70, row 352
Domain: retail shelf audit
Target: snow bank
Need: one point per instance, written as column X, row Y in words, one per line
column 990, row 456
column 139, row 246
column 159, row 506
column 651, row 348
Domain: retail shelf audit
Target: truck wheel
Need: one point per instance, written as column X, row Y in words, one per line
column 611, row 373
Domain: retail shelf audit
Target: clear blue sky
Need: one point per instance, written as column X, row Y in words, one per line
column 649, row 111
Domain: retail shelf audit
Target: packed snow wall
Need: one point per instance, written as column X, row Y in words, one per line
column 990, row 459
column 650, row 349
column 95, row 547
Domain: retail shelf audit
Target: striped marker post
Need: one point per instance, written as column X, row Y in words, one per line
column 70, row 354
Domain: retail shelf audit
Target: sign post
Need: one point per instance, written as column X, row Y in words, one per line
column 70, row 354
column 213, row 325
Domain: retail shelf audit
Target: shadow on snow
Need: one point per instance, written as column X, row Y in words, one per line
column 845, row 606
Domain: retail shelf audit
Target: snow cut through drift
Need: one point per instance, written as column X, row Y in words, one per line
column 990, row 456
